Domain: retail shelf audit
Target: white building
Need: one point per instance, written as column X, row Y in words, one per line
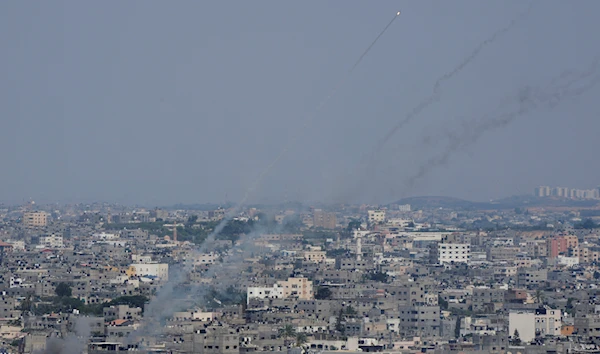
column 454, row 252
column 399, row 222
column 567, row 261
column 264, row 292
column 376, row 216
column 314, row 254
column 52, row 241
column 18, row 245
column 545, row 321
column 206, row 258
column 141, row 258
column 300, row 288
column 404, row 208
column 105, row 236
column 159, row 270
column 194, row 316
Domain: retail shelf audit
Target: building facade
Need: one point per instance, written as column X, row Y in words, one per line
column 35, row 219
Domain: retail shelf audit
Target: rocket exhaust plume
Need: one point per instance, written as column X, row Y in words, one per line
column 435, row 95
column 161, row 306
column 527, row 100
column 307, row 122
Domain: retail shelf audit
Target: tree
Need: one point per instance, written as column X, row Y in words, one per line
column 570, row 309
column 457, row 327
column 191, row 220
column 350, row 311
column 26, row 305
column 516, row 339
column 339, row 326
column 539, row 296
column 353, row 225
column 518, row 211
column 63, row 290
column 379, row 276
column 588, row 224
column 323, row 293
column 443, row 303
column 301, row 339
column 131, row 301
column 287, row 331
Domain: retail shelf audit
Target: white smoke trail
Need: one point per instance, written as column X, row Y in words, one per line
column 436, row 95
column 307, row 122
column 156, row 308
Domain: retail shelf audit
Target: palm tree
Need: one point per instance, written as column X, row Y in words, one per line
column 539, row 296
column 301, row 339
column 286, row 332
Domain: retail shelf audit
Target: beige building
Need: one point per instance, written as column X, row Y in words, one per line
column 35, row 219
column 586, row 254
column 52, row 241
column 376, row 216
column 324, row 219
column 314, row 254
column 300, row 288
column 160, row 270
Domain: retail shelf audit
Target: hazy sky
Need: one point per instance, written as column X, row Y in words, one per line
column 161, row 102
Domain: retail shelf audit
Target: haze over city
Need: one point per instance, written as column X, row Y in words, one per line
column 300, row 177
column 159, row 103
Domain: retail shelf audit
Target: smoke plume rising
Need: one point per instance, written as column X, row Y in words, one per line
column 72, row 343
column 175, row 297
column 156, row 308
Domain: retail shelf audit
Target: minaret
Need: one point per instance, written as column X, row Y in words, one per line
column 175, row 231
column 358, row 247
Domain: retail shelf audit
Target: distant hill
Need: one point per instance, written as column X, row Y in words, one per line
column 524, row 201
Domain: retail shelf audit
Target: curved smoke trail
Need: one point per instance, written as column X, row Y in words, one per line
column 434, row 97
column 528, row 99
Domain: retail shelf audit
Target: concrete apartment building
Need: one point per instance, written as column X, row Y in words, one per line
column 451, row 253
column 560, row 245
column 215, row 339
column 529, row 277
column 376, row 216
column 588, row 325
column 300, row 288
column 324, row 219
column 586, row 254
column 159, row 270
column 419, row 321
column 487, row 299
column 35, row 219
column 502, row 253
column 541, row 322
column 52, row 241
column 314, row 255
